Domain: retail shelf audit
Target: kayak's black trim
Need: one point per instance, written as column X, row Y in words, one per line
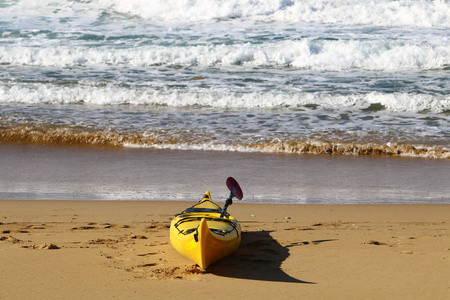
column 233, row 224
column 200, row 210
column 194, row 209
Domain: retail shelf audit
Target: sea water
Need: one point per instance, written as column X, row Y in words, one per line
column 311, row 76
column 351, row 77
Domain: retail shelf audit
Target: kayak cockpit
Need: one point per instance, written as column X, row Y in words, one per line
column 220, row 226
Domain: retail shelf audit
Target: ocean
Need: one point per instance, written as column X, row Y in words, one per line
column 333, row 77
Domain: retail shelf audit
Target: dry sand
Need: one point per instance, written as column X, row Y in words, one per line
column 121, row 250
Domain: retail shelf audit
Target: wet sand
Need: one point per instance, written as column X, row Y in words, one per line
column 121, row 250
column 90, row 173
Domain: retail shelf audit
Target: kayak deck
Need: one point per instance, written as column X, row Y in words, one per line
column 201, row 235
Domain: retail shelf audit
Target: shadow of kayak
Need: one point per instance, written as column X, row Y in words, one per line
column 259, row 257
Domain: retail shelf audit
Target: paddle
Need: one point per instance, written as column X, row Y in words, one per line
column 235, row 190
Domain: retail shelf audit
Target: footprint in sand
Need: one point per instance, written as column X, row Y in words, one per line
column 137, row 237
column 103, row 241
column 10, row 239
column 35, row 227
column 44, row 246
column 147, row 254
column 154, row 226
column 84, row 228
column 377, row 243
column 147, row 265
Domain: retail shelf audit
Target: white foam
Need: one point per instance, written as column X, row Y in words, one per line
column 351, row 12
column 404, row 102
column 116, row 95
column 336, row 55
column 379, row 13
column 357, row 149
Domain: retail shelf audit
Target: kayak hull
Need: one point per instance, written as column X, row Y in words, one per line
column 202, row 236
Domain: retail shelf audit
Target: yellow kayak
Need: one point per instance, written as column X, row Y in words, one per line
column 205, row 233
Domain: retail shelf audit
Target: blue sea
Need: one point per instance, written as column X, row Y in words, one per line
column 359, row 77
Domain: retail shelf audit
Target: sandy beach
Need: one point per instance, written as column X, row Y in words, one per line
column 121, row 249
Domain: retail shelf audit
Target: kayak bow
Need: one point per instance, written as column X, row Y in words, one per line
column 200, row 233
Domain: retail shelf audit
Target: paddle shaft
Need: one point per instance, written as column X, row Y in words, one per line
column 227, row 203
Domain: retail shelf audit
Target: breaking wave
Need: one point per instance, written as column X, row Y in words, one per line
column 116, row 95
column 310, row 54
column 79, row 137
column 409, row 13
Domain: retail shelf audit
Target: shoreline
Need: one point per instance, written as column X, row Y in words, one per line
column 40, row 135
column 82, row 173
column 99, row 249
column 221, row 202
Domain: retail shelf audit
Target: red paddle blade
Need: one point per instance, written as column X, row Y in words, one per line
column 234, row 188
